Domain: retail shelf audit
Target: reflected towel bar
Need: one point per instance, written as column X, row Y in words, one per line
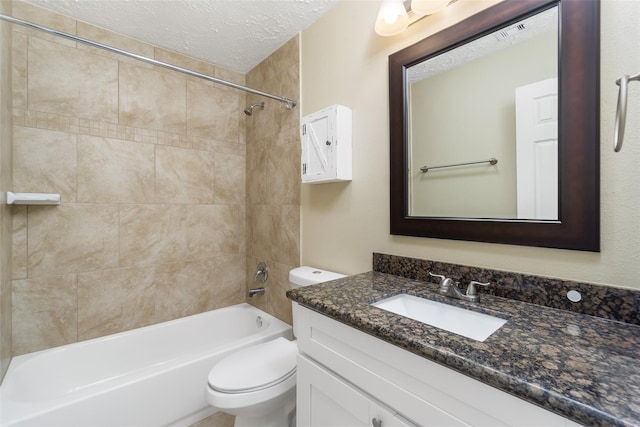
column 491, row 161
column 621, row 110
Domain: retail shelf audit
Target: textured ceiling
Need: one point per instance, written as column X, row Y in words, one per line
column 511, row 35
column 234, row 34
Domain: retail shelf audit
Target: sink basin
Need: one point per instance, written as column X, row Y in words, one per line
column 470, row 324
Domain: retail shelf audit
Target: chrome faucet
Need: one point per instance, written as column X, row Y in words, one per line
column 262, row 272
column 262, row 275
column 255, row 291
column 450, row 288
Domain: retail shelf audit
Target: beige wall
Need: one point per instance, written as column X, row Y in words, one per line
column 150, row 165
column 345, row 62
column 273, row 178
column 5, row 185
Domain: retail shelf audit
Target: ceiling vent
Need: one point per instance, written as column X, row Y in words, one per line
column 508, row 32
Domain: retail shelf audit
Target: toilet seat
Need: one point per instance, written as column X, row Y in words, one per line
column 254, row 368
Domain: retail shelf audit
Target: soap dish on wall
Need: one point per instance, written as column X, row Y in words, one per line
column 32, row 198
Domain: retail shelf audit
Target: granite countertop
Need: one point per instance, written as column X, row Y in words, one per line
column 582, row 367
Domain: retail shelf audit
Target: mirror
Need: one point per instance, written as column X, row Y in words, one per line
column 503, row 162
column 465, row 180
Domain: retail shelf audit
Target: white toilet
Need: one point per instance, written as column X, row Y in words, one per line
column 257, row 384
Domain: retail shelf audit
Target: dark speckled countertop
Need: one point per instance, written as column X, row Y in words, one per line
column 582, row 367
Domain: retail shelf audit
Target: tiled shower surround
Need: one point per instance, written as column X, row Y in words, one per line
column 169, row 197
column 5, row 182
column 273, row 178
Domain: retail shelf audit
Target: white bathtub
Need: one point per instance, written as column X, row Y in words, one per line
column 151, row 376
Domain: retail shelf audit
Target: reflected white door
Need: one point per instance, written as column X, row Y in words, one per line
column 537, row 150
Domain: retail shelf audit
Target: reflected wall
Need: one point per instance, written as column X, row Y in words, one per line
column 468, row 114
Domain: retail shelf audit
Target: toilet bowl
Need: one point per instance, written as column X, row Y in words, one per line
column 257, row 384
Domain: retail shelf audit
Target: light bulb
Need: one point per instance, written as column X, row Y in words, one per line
column 392, row 18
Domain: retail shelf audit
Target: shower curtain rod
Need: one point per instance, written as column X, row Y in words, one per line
column 289, row 103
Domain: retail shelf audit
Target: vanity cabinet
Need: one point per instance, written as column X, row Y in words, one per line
column 324, row 400
column 345, row 376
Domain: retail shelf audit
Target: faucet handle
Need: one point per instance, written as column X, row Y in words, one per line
column 445, row 282
column 440, row 276
column 471, row 289
column 263, row 271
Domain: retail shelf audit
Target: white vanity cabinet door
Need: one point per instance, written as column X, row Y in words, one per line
column 324, row 400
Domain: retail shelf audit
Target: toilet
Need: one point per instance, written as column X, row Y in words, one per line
column 257, row 384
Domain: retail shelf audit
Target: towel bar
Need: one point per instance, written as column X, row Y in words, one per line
column 621, row 109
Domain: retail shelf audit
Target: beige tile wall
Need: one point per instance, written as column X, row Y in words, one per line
column 150, row 165
column 273, row 178
column 5, row 185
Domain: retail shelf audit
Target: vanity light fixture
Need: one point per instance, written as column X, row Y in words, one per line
column 394, row 16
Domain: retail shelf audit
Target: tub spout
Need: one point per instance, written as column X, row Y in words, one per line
column 255, row 291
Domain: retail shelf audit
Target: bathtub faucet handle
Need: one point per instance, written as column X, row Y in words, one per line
column 262, row 273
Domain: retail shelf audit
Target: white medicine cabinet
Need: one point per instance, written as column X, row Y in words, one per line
column 326, row 145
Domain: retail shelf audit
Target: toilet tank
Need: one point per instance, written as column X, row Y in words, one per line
column 305, row 276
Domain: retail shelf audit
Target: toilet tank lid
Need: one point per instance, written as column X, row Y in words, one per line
column 305, row 275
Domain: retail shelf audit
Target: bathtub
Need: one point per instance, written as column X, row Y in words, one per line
column 151, row 376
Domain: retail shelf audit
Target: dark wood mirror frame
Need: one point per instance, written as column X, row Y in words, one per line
column 578, row 226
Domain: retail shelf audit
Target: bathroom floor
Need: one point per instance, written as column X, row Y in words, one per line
column 216, row 420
